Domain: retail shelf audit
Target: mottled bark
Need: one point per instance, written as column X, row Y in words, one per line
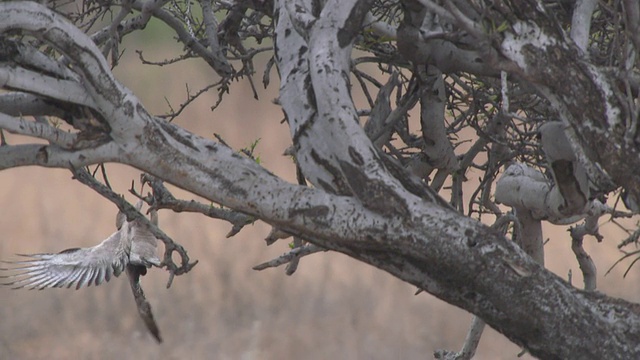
column 361, row 205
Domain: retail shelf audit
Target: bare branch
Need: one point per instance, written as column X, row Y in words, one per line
column 132, row 214
column 163, row 199
column 587, row 265
column 296, row 253
column 211, row 28
column 22, row 104
column 581, row 22
column 53, row 156
column 470, row 343
column 216, row 62
column 39, row 130
column 33, row 82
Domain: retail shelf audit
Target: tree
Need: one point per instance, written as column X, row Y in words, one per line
column 501, row 68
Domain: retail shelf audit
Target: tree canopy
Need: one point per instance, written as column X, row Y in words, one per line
column 541, row 98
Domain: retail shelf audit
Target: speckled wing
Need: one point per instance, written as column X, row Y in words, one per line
column 79, row 266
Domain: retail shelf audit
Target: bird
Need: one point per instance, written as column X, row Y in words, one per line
column 132, row 249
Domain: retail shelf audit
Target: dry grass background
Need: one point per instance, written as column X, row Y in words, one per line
column 332, row 308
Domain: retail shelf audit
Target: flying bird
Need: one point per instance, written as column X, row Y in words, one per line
column 132, row 248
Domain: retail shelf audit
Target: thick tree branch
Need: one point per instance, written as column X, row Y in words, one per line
column 46, row 86
column 419, row 241
column 38, row 130
column 55, row 157
column 581, row 22
column 22, row 104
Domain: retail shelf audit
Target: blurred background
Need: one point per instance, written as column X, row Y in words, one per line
column 333, row 307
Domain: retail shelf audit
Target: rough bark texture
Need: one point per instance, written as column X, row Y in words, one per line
column 361, row 204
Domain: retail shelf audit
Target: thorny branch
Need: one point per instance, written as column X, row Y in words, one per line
column 163, row 199
column 296, row 253
column 131, row 213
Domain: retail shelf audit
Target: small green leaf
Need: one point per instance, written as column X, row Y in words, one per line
column 503, row 27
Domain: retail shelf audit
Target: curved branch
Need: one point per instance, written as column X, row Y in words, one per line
column 581, row 22
column 22, row 104
column 214, row 58
column 72, row 42
column 53, row 156
column 424, row 249
column 39, row 130
column 43, row 85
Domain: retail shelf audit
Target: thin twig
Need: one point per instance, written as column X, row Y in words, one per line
column 163, row 199
column 290, row 256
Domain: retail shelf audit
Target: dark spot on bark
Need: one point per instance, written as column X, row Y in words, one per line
column 211, row 148
column 338, row 185
column 411, row 182
column 302, row 51
column 128, row 108
column 287, row 32
column 316, row 7
column 174, row 132
column 142, row 111
column 326, row 186
column 344, row 37
column 374, row 194
column 226, row 184
column 314, row 211
column 302, row 130
column 355, row 156
column 42, row 156
column 311, row 94
column 471, row 242
column 352, row 25
column 9, row 50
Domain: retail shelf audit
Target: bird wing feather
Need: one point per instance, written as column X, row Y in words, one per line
column 79, row 266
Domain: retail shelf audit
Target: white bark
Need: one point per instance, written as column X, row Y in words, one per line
column 581, row 22
column 525, row 187
column 417, row 239
column 31, row 81
column 438, row 148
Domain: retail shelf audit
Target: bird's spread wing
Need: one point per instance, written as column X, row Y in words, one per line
column 79, row 266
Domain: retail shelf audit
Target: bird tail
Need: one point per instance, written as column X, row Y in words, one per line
column 144, row 308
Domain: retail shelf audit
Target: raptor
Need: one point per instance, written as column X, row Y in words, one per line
column 132, row 248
